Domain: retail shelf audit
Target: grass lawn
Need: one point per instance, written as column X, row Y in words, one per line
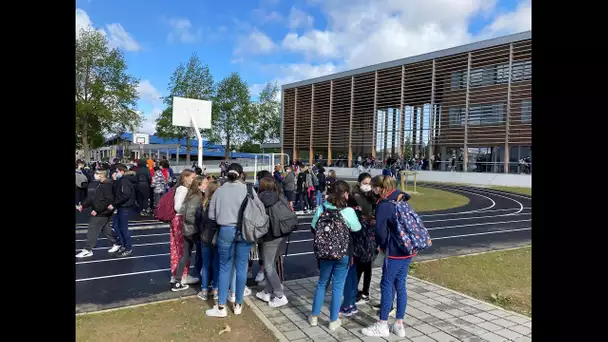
column 503, row 278
column 514, row 189
column 181, row 320
column 428, row 199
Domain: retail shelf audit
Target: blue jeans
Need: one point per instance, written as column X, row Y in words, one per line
column 394, row 273
column 121, row 227
column 319, row 198
column 339, row 269
column 211, row 256
column 350, row 287
column 233, row 250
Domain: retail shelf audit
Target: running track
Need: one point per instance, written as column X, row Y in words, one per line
column 492, row 220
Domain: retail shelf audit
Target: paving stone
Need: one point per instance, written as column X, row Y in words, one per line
column 305, row 309
column 290, row 310
column 468, row 309
column 523, row 339
column 455, row 296
column 483, row 307
column 430, row 294
column 444, row 300
column 372, row 339
column 504, row 323
column 266, row 308
column 456, row 312
column 489, row 326
column 459, row 333
column 302, row 324
column 303, row 340
column 468, row 301
column 313, row 331
column 323, row 338
column 284, row 327
column 441, row 336
column 459, row 305
column 492, row 337
column 486, row 316
column 522, row 329
column 508, row 333
column 409, row 320
column 273, row 314
column 517, row 319
column 341, row 334
column 444, row 292
column 443, row 325
column 356, row 332
column 473, row 339
column 426, row 328
column 297, row 317
column 412, row 331
column 428, row 309
column 474, row 329
column 422, row 339
column 499, row 313
column 472, row 319
column 443, row 315
column 294, row 335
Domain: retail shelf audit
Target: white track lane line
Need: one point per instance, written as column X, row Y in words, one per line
column 122, row 258
column 521, row 206
column 469, row 192
column 476, row 224
column 135, row 245
column 478, row 217
column 132, row 236
column 484, row 233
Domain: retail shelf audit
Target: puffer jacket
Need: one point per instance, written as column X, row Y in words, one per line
column 188, row 210
column 289, row 184
column 159, row 182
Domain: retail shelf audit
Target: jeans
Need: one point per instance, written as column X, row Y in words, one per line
column 350, row 287
column 211, row 257
column 185, row 259
column 339, row 269
column 394, row 272
column 304, row 202
column 366, row 270
column 271, row 250
column 233, row 250
column 121, row 227
column 318, row 197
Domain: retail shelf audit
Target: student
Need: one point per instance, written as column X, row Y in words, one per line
column 124, row 202
column 289, row 186
column 209, row 251
column 100, row 215
column 192, row 202
column 330, row 180
column 366, row 201
column 320, row 188
column 176, row 226
column 159, row 183
column 397, row 262
column 82, row 182
column 143, row 187
column 329, row 215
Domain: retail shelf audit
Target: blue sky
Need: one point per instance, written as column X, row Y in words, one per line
column 286, row 41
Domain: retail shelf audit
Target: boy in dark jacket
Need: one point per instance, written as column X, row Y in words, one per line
column 124, row 202
column 100, row 215
column 143, row 187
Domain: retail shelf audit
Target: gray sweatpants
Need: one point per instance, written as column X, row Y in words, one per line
column 98, row 224
column 271, row 251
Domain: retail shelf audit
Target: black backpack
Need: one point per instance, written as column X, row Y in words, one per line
column 332, row 235
column 364, row 242
column 283, row 221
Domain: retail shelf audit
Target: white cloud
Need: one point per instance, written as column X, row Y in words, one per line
column 182, row 31
column 299, row 18
column 263, row 16
column 149, row 96
column 148, row 92
column 255, row 43
column 117, row 36
column 516, row 21
column 313, row 43
column 149, row 124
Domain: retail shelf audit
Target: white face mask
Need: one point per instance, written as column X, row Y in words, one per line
column 97, row 177
column 366, row 188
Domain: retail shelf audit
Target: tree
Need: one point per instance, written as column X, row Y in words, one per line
column 267, row 115
column 194, row 81
column 105, row 93
column 233, row 119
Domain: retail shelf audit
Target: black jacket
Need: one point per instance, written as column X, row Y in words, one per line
column 206, row 226
column 143, row 176
column 301, row 183
column 101, row 199
column 321, row 178
column 124, row 193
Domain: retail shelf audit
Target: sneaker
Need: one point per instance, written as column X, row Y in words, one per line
column 125, row 252
column 85, row 253
column 335, row 324
column 202, row 295
column 114, row 249
column 231, row 297
column 378, row 330
column 300, row 212
column 247, row 292
column 260, row 277
column 278, row 301
column 189, row 280
column 177, row 286
column 343, row 311
column 362, row 299
column 172, row 280
column 313, row 320
column 263, row 296
column 398, row 329
column 216, row 312
column 238, row 309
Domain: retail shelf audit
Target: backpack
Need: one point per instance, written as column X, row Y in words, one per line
column 283, row 221
column 315, row 180
column 364, row 242
column 165, row 210
column 81, row 180
column 253, row 221
column 332, row 236
column 414, row 236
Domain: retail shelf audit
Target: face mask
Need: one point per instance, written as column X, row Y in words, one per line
column 97, row 177
column 366, row 187
column 118, row 175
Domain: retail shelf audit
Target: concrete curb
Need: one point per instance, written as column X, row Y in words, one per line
column 276, row 332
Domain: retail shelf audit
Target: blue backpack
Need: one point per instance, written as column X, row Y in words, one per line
column 414, row 236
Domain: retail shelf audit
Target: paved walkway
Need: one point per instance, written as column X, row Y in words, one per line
column 433, row 314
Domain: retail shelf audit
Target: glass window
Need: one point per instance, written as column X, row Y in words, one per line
column 456, row 116
column 526, row 111
column 502, row 74
column 476, row 77
column 458, row 79
column 521, row 71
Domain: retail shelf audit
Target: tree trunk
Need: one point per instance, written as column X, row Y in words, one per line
column 85, row 138
column 187, row 150
column 227, row 148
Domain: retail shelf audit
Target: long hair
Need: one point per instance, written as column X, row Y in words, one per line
column 211, row 188
column 268, row 183
column 182, row 177
column 336, row 196
column 385, row 183
column 193, row 190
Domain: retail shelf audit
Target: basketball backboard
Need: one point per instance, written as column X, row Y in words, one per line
column 199, row 109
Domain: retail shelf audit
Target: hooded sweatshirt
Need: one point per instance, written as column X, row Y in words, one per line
column 386, row 225
column 101, row 199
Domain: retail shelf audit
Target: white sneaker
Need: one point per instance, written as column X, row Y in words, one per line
column 300, row 212
column 114, row 249
column 231, row 297
column 378, row 330
column 238, row 309
column 172, row 280
column 398, row 329
column 277, row 302
column 84, row 254
column 260, row 277
column 335, row 324
column 313, row 320
column 189, row 280
column 216, row 312
column 246, row 292
column 263, row 296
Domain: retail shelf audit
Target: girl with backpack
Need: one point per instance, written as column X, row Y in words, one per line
column 192, row 201
column 282, row 222
column 209, row 251
column 366, row 202
column 159, row 184
column 397, row 262
column 176, row 232
column 332, row 224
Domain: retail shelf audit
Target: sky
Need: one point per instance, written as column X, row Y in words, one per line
column 286, row 41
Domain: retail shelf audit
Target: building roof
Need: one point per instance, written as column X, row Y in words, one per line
column 419, row 58
column 160, row 141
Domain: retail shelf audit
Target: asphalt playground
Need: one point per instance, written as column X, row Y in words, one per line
column 492, row 220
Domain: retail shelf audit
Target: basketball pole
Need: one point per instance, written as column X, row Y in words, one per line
column 200, row 142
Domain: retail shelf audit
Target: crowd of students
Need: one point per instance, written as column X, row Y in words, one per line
column 352, row 227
